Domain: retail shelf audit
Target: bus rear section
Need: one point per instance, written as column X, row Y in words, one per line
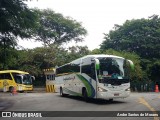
column 21, row 80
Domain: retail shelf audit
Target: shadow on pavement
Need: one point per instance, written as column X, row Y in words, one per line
column 95, row 101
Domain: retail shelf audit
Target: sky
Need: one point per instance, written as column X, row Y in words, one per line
column 97, row 16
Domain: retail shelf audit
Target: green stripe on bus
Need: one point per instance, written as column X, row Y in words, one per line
column 87, row 85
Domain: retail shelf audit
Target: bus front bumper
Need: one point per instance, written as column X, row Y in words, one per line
column 24, row 87
column 113, row 94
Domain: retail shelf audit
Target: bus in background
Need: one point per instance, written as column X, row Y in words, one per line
column 95, row 76
column 50, row 79
column 21, row 80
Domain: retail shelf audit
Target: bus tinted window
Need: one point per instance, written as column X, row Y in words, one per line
column 68, row 69
column 18, row 79
column 89, row 70
column 86, row 69
column 27, row 79
column 5, row 76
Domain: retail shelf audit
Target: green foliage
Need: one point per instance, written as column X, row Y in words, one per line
column 154, row 71
column 16, row 21
column 16, row 18
column 76, row 52
column 35, row 60
column 43, row 25
column 55, row 28
column 96, row 51
column 11, row 55
column 140, row 36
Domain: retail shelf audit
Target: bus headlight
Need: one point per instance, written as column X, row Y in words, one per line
column 101, row 90
column 128, row 89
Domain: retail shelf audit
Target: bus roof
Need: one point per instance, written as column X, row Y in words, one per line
column 94, row 56
column 100, row 55
column 15, row 71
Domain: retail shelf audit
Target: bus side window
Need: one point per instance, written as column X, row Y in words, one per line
column 18, row 79
column 86, row 69
column 6, row 76
column 93, row 74
column 1, row 76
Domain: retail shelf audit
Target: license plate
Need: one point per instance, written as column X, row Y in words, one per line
column 116, row 94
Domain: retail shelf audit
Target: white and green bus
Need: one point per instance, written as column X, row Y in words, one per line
column 95, row 76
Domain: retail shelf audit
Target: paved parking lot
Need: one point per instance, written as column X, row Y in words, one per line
column 54, row 102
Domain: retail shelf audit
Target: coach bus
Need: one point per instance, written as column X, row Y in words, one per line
column 95, row 76
column 21, row 80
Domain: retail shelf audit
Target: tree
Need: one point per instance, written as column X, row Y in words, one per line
column 16, row 21
column 35, row 60
column 54, row 28
column 16, row 18
column 154, row 70
column 76, row 52
column 11, row 55
column 97, row 51
column 141, row 36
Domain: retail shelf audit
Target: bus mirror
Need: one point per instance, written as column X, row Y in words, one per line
column 131, row 64
column 33, row 78
column 97, row 65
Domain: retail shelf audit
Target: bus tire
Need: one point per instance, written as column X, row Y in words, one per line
column 85, row 95
column 11, row 89
column 21, row 91
column 61, row 92
column 111, row 100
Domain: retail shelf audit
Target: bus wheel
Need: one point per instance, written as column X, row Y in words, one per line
column 110, row 100
column 21, row 91
column 85, row 95
column 61, row 92
column 10, row 89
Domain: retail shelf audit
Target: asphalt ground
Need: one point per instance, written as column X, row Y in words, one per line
column 49, row 103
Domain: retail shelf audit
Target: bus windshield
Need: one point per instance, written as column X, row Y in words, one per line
column 113, row 71
column 27, row 79
column 22, row 78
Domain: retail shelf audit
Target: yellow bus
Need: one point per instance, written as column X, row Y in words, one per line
column 21, row 80
column 50, row 79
